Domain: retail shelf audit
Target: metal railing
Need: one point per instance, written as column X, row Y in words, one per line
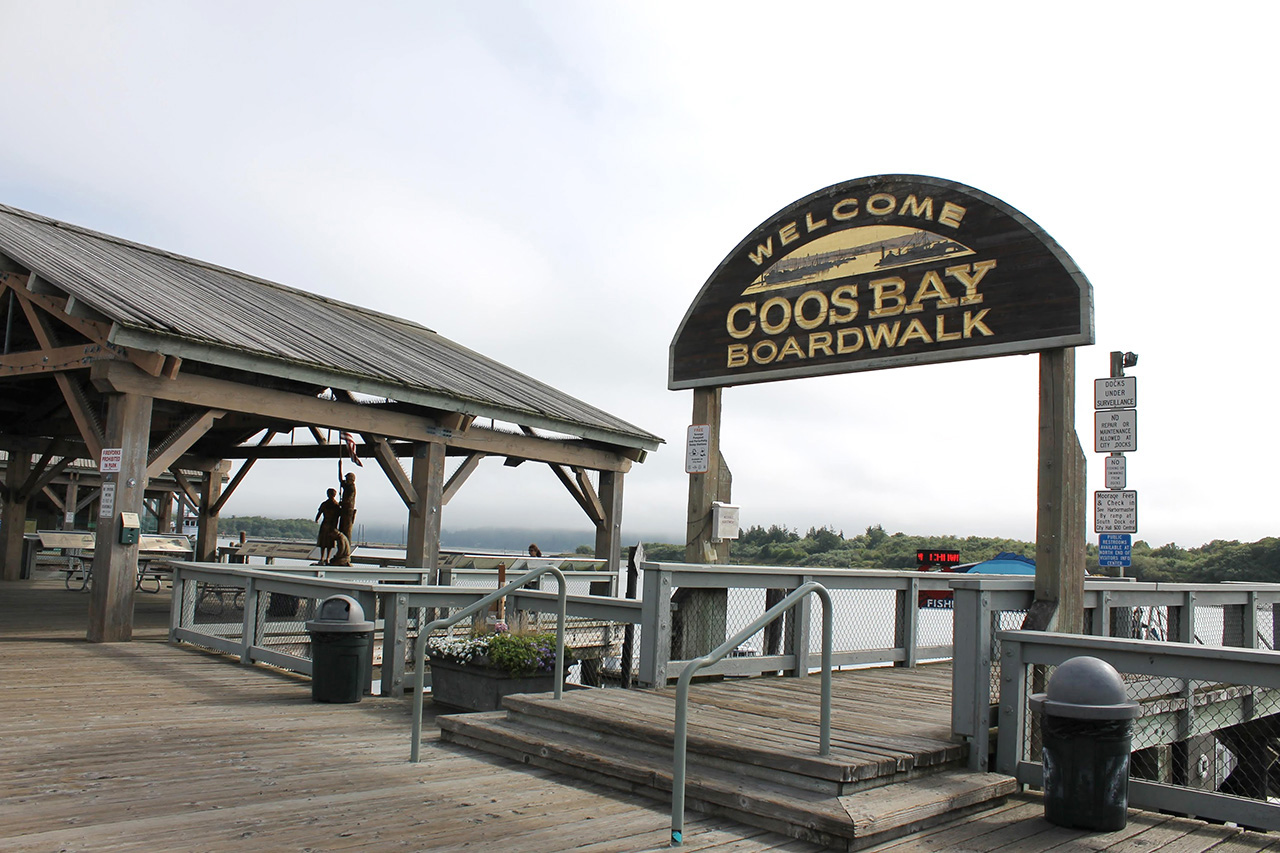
column 691, row 608
column 1229, row 615
column 420, row 647
column 1185, row 690
column 717, row 654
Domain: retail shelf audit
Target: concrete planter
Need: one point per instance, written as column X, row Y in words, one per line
column 476, row 687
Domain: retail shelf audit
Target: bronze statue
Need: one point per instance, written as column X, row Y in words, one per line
column 341, row 550
column 328, row 515
column 348, row 504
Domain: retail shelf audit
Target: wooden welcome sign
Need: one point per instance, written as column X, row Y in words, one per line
column 879, row 272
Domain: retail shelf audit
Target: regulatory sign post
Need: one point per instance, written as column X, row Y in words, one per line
column 1115, row 432
column 1115, row 550
column 1115, row 511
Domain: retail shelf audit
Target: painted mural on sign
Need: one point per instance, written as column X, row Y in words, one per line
column 881, row 272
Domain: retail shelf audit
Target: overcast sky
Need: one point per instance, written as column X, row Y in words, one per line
column 551, row 184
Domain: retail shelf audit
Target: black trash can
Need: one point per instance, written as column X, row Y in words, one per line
column 339, row 646
column 1087, row 732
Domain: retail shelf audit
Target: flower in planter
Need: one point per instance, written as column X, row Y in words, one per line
column 516, row 654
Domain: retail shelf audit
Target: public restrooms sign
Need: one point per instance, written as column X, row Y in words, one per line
column 880, row 272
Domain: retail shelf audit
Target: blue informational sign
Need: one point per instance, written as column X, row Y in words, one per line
column 1115, row 549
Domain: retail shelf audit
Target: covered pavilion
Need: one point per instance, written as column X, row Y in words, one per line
column 178, row 368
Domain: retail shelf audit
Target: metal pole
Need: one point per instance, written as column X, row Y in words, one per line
column 420, row 645
column 686, row 676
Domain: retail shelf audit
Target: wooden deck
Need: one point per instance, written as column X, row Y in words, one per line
column 146, row 747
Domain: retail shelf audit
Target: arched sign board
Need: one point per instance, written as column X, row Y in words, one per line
column 879, row 272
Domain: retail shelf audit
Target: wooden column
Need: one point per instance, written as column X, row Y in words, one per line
column 700, row 616
column 206, row 548
column 423, row 547
column 115, row 565
column 164, row 517
column 705, row 488
column 15, row 514
column 1060, row 516
column 70, row 503
column 609, row 531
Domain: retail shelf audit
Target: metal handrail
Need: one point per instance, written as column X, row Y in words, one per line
column 420, row 645
column 686, row 676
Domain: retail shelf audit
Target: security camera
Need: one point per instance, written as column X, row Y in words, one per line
column 1130, row 359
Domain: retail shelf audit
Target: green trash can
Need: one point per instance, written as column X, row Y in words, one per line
column 339, row 650
column 1087, row 733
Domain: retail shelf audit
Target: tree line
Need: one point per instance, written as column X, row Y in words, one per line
column 875, row 548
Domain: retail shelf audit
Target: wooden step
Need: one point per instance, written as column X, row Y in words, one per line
column 778, row 749
column 842, row 822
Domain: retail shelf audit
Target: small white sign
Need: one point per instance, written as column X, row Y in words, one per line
column 111, row 459
column 1115, row 431
column 107, row 503
column 1117, row 392
column 1116, row 474
column 70, row 519
column 1115, row 512
column 697, row 457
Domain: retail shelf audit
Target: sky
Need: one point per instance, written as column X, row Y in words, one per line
column 551, row 184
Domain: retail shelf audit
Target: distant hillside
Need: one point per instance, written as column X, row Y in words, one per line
column 778, row 545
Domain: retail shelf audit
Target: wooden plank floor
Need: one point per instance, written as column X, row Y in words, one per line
column 147, row 747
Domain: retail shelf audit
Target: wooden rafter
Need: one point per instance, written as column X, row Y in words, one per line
column 58, row 359
column 90, row 496
column 86, row 421
column 54, row 499
column 465, row 470
column 385, row 456
column 302, row 409
column 179, row 441
column 46, row 296
column 188, row 490
column 240, row 475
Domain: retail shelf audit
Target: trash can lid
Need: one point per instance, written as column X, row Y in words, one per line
column 340, row 614
column 1086, row 688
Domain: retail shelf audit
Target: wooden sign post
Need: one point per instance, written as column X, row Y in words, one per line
column 893, row 271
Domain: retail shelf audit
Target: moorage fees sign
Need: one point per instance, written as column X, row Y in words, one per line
column 881, row 272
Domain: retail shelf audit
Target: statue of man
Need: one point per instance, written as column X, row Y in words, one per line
column 328, row 515
column 348, row 504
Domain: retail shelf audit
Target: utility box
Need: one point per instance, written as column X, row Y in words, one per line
column 130, row 528
column 724, row 521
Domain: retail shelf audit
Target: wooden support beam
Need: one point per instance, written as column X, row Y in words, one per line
column 54, row 499
column 423, row 547
column 304, row 410
column 391, row 467
column 115, row 564
column 188, row 490
column 77, row 403
column 706, row 487
column 597, row 511
column 571, row 486
column 48, row 476
column 465, row 470
column 206, row 544
column 91, row 496
column 13, row 522
column 55, row 304
column 35, row 362
column 179, row 441
column 609, row 530
column 240, row 474
column 1059, row 601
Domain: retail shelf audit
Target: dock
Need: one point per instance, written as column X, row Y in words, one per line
column 144, row 746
